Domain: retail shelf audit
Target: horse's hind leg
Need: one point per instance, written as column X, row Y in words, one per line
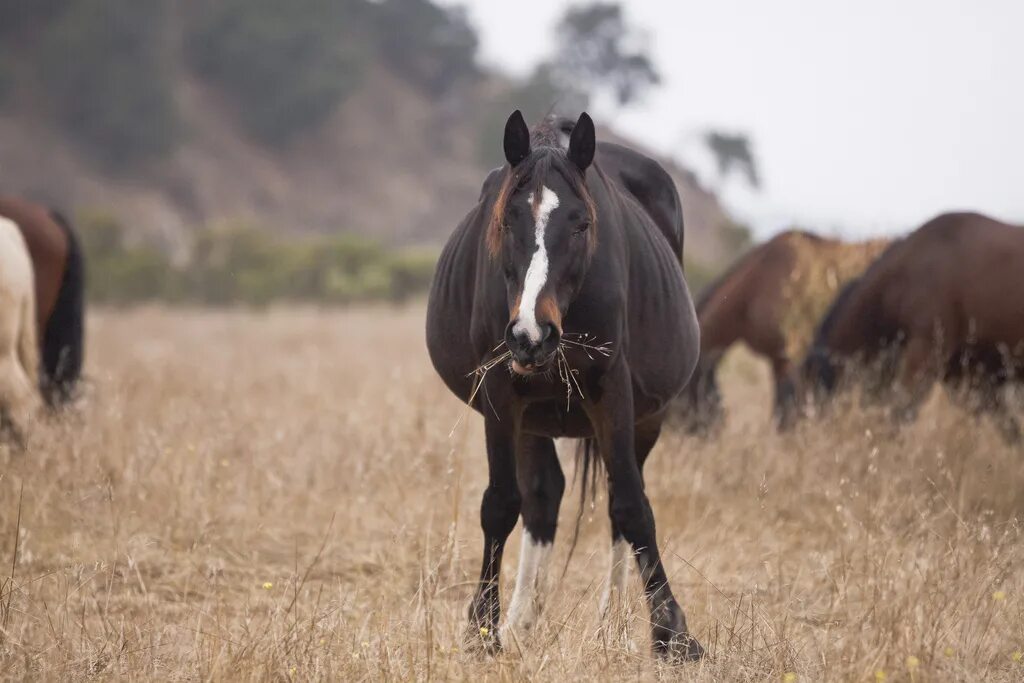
column 19, row 397
column 541, row 485
column 916, row 377
column 987, row 396
column 785, row 393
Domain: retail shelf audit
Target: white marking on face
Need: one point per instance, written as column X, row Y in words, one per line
column 537, row 271
column 531, row 586
column 618, row 573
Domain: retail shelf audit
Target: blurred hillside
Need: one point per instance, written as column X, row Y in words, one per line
column 312, row 116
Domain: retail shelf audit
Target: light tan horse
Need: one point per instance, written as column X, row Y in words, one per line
column 19, row 353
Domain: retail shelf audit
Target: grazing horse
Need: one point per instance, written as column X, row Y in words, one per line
column 941, row 304
column 19, row 354
column 771, row 300
column 561, row 272
column 59, row 294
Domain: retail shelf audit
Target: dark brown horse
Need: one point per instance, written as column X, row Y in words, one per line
column 60, row 294
column 568, row 271
column 944, row 303
column 771, row 300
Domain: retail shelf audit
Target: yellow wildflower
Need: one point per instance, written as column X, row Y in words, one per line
column 267, row 585
column 999, row 596
column 879, row 675
column 949, row 652
column 1017, row 655
column 484, row 631
column 789, row 677
column 913, row 662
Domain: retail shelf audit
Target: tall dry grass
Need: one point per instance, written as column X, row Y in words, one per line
column 275, row 496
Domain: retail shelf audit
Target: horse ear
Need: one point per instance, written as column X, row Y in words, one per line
column 517, row 138
column 582, row 142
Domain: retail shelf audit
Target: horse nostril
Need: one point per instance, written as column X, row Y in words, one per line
column 551, row 335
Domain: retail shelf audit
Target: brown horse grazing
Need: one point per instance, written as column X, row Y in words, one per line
column 59, row 268
column 943, row 303
column 568, row 270
column 771, row 300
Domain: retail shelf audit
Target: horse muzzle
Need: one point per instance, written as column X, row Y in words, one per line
column 531, row 353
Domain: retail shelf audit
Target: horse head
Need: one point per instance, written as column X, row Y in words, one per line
column 542, row 234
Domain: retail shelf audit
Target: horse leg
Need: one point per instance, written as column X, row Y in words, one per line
column 916, row 376
column 701, row 401
column 19, row 397
column 499, row 511
column 785, row 393
column 612, row 418
column 645, row 436
column 541, row 485
column 988, row 398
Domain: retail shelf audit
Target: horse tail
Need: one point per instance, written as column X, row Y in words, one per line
column 588, row 466
column 64, row 337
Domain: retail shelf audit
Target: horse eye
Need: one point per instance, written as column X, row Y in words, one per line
column 581, row 228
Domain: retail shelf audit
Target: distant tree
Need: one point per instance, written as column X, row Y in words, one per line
column 104, row 66
column 537, row 96
column 597, row 50
column 733, row 151
column 433, row 46
column 285, row 65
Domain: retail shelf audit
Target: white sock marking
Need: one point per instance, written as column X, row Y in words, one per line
column 537, row 272
column 618, row 573
column 531, row 584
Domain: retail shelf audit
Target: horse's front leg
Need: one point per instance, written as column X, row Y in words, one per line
column 541, row 484
column 613, row 419
column 499, row 511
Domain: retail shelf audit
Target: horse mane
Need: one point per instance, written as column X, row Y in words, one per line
column 546, row 155
column 828, row 321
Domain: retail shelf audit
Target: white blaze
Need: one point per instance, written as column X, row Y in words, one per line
column 531, row 584
column 537, row 271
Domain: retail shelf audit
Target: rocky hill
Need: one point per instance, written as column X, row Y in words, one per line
column 392, row 160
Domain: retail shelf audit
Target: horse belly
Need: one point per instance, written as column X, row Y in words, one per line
column 554, row 419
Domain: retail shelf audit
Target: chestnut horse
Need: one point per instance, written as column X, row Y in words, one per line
column 19, row 353
column 944, row 303
column 771, row 300
column 564, row 273
column 59, row 294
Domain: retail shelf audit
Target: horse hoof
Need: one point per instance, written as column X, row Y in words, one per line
column 483, row 640
column 681, row 648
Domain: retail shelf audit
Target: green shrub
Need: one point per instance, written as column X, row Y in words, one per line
column 239, row 264
column 411, row 272
column 103, row 63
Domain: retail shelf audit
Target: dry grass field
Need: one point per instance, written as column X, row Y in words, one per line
column 275, row 496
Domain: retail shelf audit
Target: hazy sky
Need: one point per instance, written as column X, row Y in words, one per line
column 867, row 117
